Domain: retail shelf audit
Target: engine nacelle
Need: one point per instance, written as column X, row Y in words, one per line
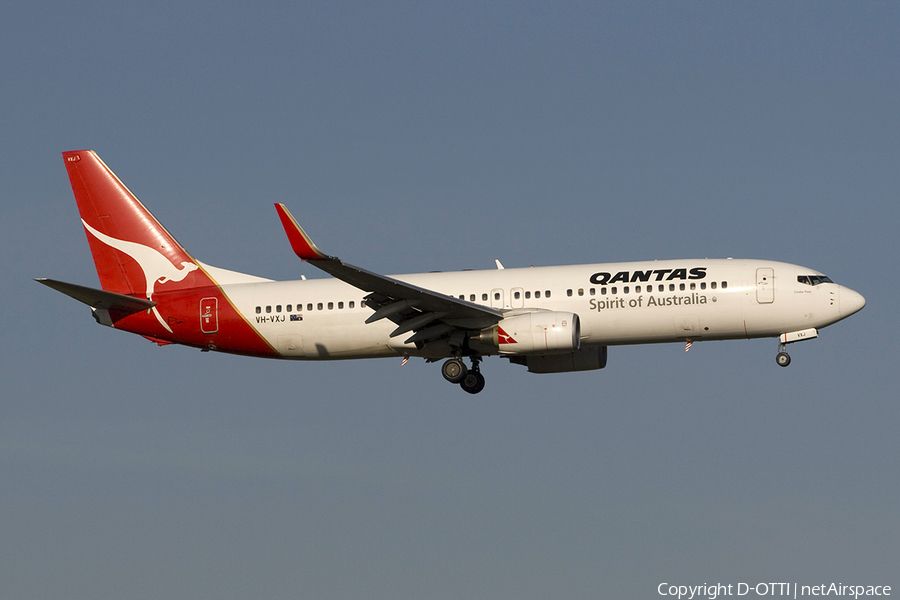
column 538, row 332
column 585, row 359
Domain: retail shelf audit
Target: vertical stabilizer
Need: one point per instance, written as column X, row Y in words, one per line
column 132, row 251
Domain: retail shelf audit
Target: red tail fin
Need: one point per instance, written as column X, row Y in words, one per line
column 133, row 253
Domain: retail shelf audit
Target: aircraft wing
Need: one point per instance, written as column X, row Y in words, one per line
column 428, row 314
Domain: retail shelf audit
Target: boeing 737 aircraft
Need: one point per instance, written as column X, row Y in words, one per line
column 549, row 319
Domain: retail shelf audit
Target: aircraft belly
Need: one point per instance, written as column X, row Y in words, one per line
column 326, row 344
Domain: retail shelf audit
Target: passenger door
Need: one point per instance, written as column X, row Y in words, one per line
column 765, row 285
column 209, row 315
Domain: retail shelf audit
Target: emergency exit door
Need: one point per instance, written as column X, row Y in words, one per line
column 765, row 285
column 209, row 315
column 497, row 298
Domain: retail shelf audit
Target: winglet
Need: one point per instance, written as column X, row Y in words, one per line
column 300, row 242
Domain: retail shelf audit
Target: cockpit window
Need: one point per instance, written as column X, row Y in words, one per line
column 813, row 279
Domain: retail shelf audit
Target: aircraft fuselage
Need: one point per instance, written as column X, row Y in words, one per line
column 717, row 299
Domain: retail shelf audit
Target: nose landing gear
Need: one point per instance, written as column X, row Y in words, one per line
column 470, row 380
column 782, row 358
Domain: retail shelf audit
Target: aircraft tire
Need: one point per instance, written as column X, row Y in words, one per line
column 473, row 382
column 454, row 370
column 783, row 359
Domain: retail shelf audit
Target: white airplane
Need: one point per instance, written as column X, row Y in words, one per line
column 549, row 319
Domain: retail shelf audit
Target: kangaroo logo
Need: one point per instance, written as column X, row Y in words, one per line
column 504, row 338
column 156, row 267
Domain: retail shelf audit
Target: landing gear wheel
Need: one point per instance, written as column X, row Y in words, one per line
column 473, row 382
column 783, row 359
column 454, row 370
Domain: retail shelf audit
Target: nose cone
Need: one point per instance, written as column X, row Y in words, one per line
column 851, row 302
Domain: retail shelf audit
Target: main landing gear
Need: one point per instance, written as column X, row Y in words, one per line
column 471, row 380
column 782, row 358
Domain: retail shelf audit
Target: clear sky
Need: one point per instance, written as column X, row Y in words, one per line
column 426, row 136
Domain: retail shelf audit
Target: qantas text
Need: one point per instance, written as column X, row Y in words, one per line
column 604, row 278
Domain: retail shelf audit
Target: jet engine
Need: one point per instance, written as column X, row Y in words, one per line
column 538, row 332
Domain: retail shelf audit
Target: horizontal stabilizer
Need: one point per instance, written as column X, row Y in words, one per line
column 98, row 298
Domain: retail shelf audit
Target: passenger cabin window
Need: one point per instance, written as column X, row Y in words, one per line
column 581, row 291
column 352, row 304
column 484, row 297
column 568, row 292
column 527, row 295
column 268, row 309
column 724, row 284
column 277, row 308
column 331, row 306
column 471, row 297
column 309, row 307
column 537, row 294
column 547, row 294
column 289, row 307
column 625, row 290
column 319, row 306
column 517, row 295
column 258, row 309
column 712, row 285
column 340, row 305
column 496, row 295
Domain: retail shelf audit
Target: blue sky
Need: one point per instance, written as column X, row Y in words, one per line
column 425, row 136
